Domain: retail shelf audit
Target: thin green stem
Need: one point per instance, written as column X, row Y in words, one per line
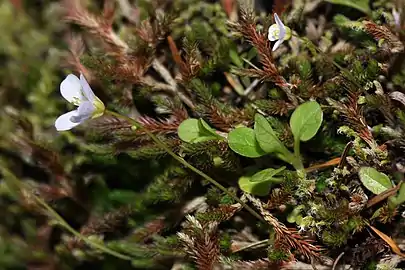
column 14, row 182
column 289, row 157
column 65, row 225
column 297, row 148
column 185, row 163
column 297, row 155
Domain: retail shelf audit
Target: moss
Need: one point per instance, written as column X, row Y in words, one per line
column 116, row 185
column 334, row 238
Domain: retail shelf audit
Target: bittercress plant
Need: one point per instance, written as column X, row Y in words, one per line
column 259, row 141
column 304, row 122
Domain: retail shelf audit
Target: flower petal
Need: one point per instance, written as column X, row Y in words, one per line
column 273, row 32
column 86, row 88
column 281, row 26
column 64, row 121
column 84, row 112
column 85, row 109
column 70, row 89
column 277, row 44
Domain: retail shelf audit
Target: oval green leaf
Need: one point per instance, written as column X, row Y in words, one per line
column 196, row 130
column 188, row 130
column 373, row 180
column 265, row 135
column 306, row 120
column 267, row 175
column 243, row 141
column 255, row 188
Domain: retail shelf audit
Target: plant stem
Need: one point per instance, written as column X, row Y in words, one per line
column 291, row 158
column 297, row 147
column 186, row 164
column 297, row 156
column 162, row 70
column 12, row 181
column 65, row 225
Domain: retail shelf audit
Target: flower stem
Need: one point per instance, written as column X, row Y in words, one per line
column 185, row 163
column 65, row 225
column 13, row 182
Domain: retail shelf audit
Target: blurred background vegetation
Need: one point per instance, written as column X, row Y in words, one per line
column 107, row 194
column 132, row 199
column 33, row 49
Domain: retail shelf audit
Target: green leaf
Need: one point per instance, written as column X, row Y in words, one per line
column 260, row 183
column 399, row 198
column 236, row 58
column 252, row 53
column 306, row 120
column 189, row 130
column 267, row 175
column 196, row 130
column 243, row 141
column 255, row 188
column 265, row 135
column 362, row 5
column 295, row 215
column 373, row 180
column 377, row 213
column 206, row 129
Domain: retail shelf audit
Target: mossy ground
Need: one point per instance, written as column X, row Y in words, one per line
column 108, row 195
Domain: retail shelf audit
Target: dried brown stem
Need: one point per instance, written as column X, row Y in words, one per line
column 100, row 27
column 162, row 70
column 383, row 195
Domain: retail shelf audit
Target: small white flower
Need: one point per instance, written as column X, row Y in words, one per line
column 279, row 32
column 78, row 92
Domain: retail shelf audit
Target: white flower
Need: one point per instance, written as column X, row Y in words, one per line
column 78, row 92
column 279, row 32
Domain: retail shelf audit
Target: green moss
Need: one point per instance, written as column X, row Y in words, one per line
column 107, row 178
column 277, row 255
column 334, row 238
